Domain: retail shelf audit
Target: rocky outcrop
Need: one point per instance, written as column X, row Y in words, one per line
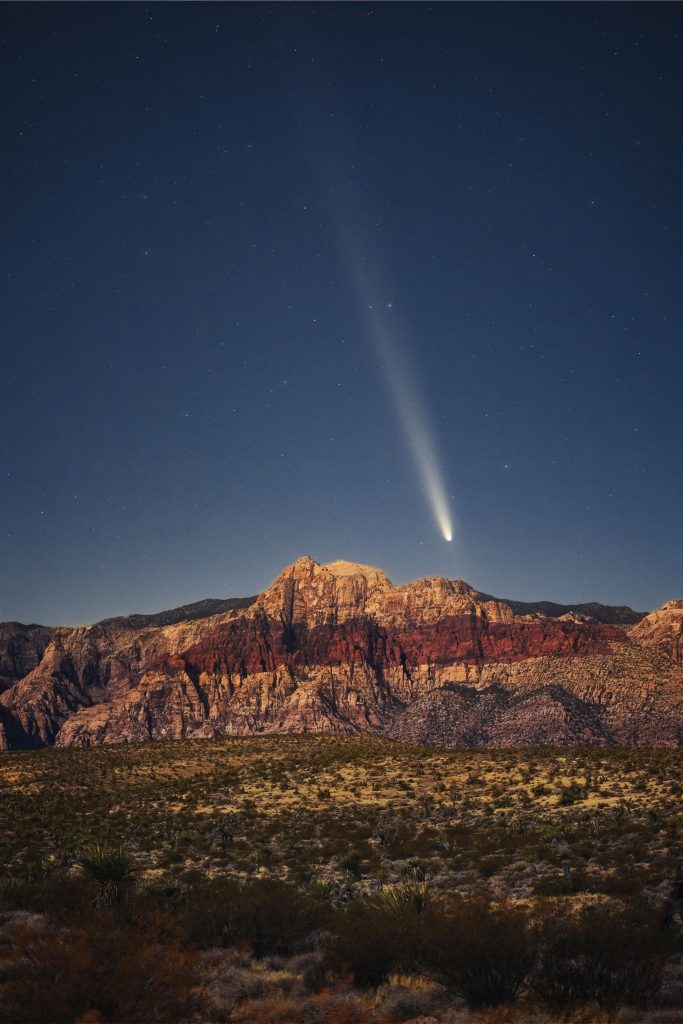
column 21, row 650
column 338, row 648
column 662, row 630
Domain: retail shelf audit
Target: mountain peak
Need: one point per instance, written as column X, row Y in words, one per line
column 313, row 593
column 663, row 630
column 343, row 568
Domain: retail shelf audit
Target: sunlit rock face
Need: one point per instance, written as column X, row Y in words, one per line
column 338, row 648
column 662, row 630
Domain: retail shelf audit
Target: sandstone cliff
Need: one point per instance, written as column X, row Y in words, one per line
column 663, row 630
column 339, row 648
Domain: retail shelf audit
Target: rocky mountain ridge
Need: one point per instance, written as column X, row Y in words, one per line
column 339, row 648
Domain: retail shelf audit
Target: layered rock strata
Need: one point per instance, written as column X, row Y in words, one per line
column 338, row 648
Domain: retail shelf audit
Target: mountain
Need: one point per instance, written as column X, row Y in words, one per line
column 338, row 648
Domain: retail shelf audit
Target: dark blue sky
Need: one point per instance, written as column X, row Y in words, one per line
column 191, row 399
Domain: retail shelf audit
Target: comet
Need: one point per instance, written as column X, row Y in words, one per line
column 410, row 408
column 390, row 338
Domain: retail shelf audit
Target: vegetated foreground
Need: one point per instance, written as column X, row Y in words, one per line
column 310, row 878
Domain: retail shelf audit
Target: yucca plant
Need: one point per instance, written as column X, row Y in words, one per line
column 326, row 891
column 396, row 899
column 110, row 867
column 415, row 870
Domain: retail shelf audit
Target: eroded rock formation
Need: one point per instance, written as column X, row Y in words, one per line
column 338, row 648
column 662, row 630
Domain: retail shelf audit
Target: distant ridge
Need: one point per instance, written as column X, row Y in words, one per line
column 616, row 615
column 184, row 613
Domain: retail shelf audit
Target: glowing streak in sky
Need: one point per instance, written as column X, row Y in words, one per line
column 383, row 324
column 411, row 414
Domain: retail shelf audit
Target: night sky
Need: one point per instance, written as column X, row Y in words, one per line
column 201, row 203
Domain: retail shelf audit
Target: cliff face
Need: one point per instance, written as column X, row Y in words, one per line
column 338, row 648
column 662, row 630
column 21, row 649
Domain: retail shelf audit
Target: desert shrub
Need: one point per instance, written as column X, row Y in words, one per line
column 12, row 892
column 270, row 916
column 601, row 955
column 99, row 969
column 571, row 794
column 61, row 894
column 489, row 865
column 482, row 952
column 228, row 981
column 369, row 943
column 351, row 862
column 565, row 883
column 165, row 893
column 323, row 1008
column 387, row 835
column 397, row 1003
column 620, row 884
